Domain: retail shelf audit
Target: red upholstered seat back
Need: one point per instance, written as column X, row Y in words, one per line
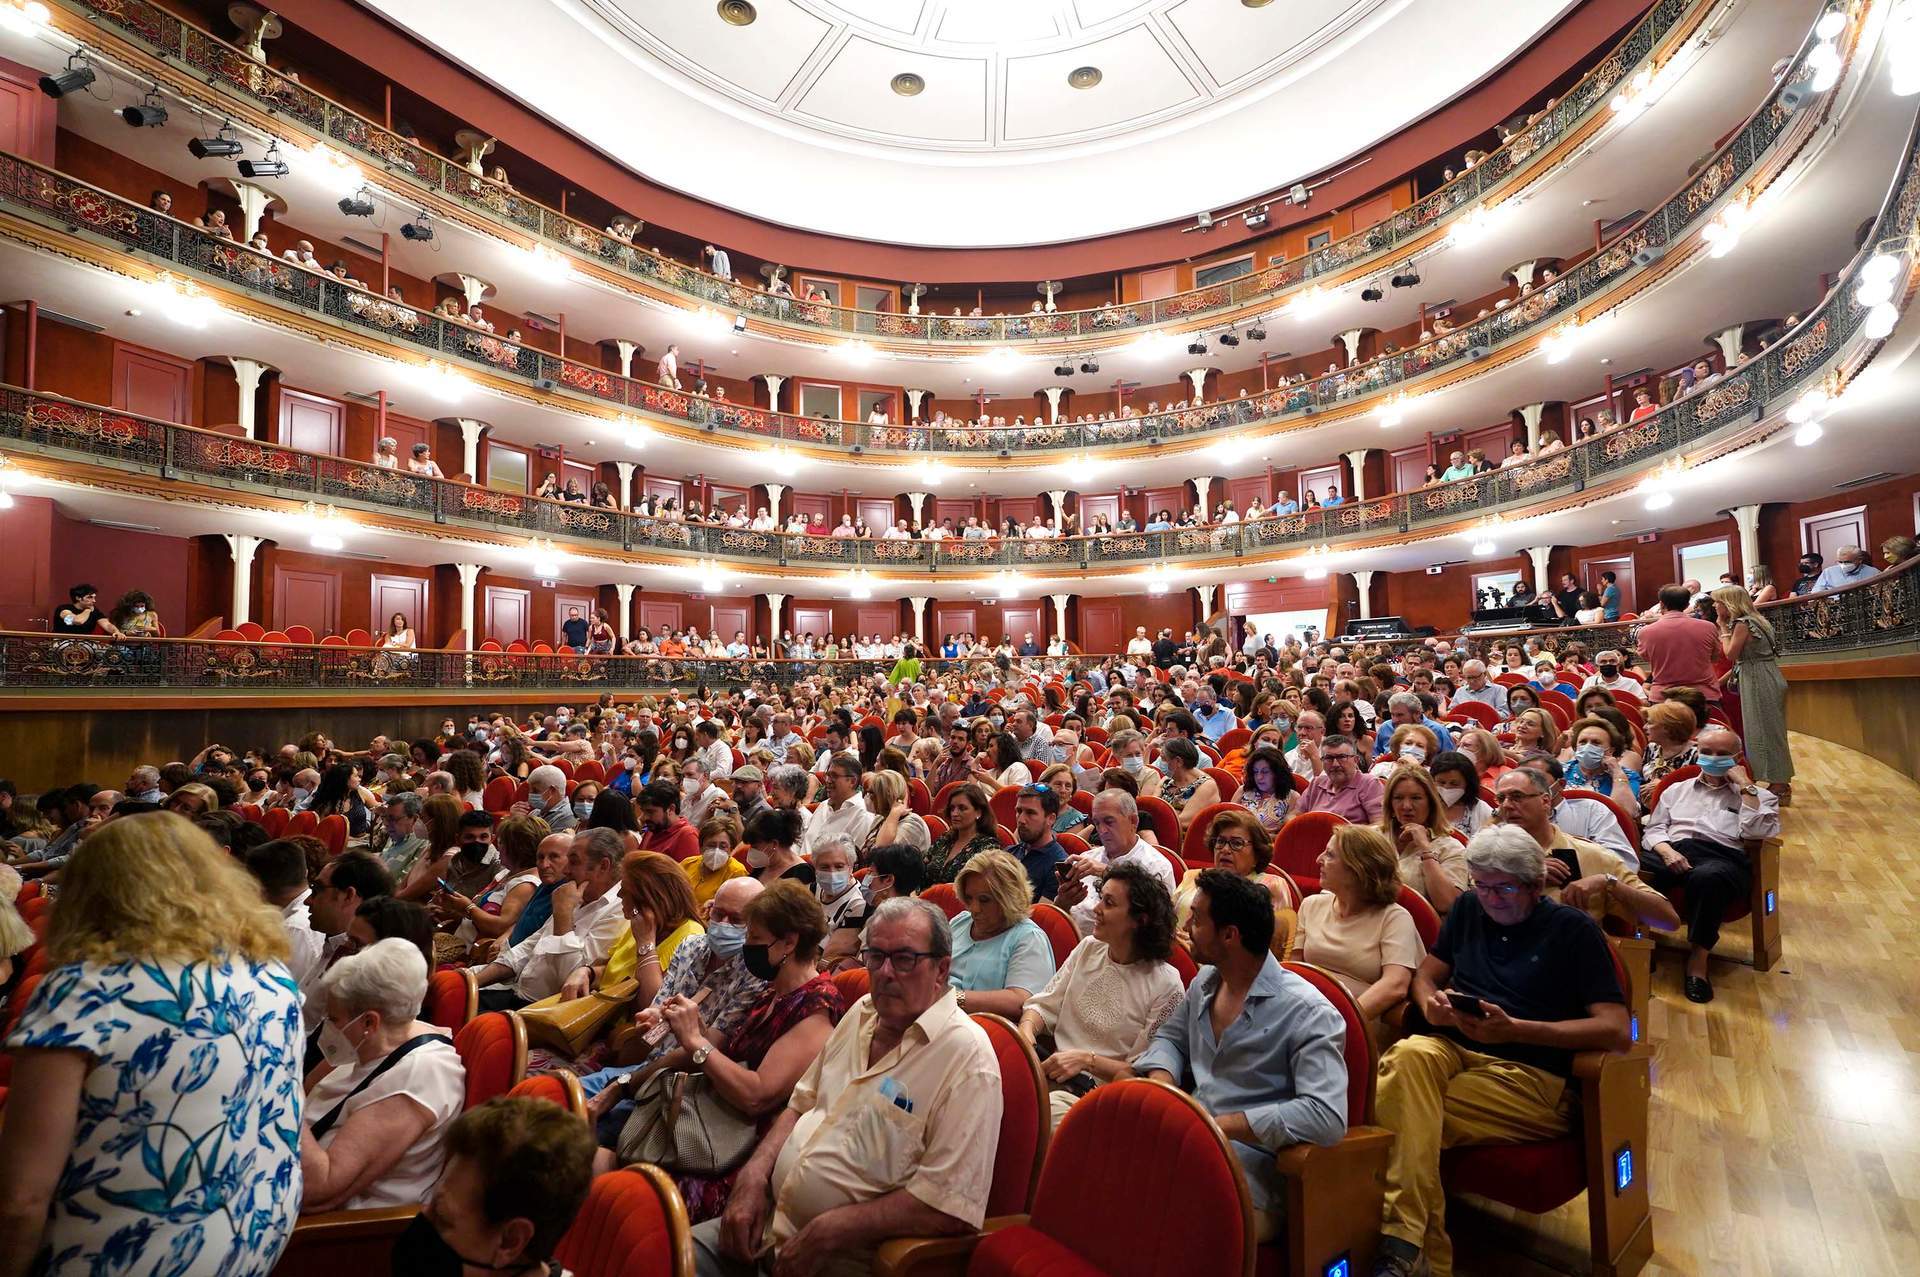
column 1003, row 800
column 1234, row 738
column 1482, row 715
column 541, row 1086
column 1182, row 961
column 1061, row 933
column 1179, row 1168
column 591, row 770
column 1025, row 1119
column 1193, row 847
column 944, row 895
column 274, row 820
column 1227, row 783
column 447, row 1005
column 1629, row 827
column 1159, row 821
column 302, row 822
column 633, row 1224
column 332, row 830
column 1301, row 841
column 1359, row 1044
column 498, row 795
column 919, row 800
column 494, row 1049
column 853, row 985
column 1425, row 920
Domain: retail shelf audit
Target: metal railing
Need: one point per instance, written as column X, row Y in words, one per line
column 225, row 67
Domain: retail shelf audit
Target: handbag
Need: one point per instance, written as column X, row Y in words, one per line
column 569, row 1028
column 679, row 1124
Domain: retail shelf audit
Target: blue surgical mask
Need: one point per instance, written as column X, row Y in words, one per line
column 1591, row 757
column 1134, row 764
column 724, row 939
column 583, row 810
column 1716, row 764
column 832, row 883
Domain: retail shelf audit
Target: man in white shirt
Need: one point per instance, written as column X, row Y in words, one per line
column 1139, row 644
column 1304, row 759
column 715, row 753
column 698, row 793
column 1116, row 823
column 1593, row 819
column 281, row 868
column 781, row 737
column 843, row 811
column 586, row 920
column 339, row 889
column 1609, row 665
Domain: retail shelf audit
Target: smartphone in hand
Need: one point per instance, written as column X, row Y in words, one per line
column 1466, row 1004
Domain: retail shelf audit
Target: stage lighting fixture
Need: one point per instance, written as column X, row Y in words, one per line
column 1063, row 370
column 221, row 145
column 1371, row 293
column 77, row 76
column 1197, row 348
column 1256, row 334
column 1255, row 218
column 1228, row 339
column 1410, row 278
column 268, row 165
column 359, row 204
column 1089, row 367
column 419, row 229
column 149, row 114
column 739, row 323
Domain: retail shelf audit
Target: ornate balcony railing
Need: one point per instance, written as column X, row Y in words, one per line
column 227, row 68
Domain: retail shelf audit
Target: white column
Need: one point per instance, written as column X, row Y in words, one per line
column 1530, row 415
column 624, row 590
column 1522, row 272
column 626, row 469
column 1350, row 340
column 242, row 547
column 918, row 500
column 1060, row 613
column 913, row 299
column 253, row 206
column 913, row 404
column 773, row 620
column 1728, row 339
column 470, row 432
column 1206, row 601
column 469, row 573
column 627, row 351
column 1539, row 554
column 1747, row 519
column 1363, row 582
column 1059, row 498
column 1053, row 394
column 1198, row 376
column 474, row 289
column 774, row 493
column 774, row 381
column 1357, row 461
column 919, row 617
column 248, row 373
column 1200, row 485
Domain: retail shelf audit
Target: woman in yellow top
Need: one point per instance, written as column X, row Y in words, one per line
column 658, row 903
column 715, row 866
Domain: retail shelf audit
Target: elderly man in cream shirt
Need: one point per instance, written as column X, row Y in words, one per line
column 586, row 921
column 891, row 1132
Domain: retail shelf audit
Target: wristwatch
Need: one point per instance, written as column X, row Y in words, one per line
column 700, row 1056
column 1753, row 790
column 960, row 999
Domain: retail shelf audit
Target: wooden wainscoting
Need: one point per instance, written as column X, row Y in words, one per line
column 1872, row 705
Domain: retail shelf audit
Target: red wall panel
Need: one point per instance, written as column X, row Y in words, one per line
column 152, row 384
column 305, row 596
column 407, row 595
column 1102, row 626
column 506, row 615
column 660, row 615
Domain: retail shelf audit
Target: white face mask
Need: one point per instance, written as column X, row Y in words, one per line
column 1451, row 794
column 714, row 859
column 1134, row 763
column 690, row 785
column 757, row 858
column 1413, row 753
column 832, row 882
column 336, row 1047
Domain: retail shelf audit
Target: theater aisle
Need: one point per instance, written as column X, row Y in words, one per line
column 1786, row 1113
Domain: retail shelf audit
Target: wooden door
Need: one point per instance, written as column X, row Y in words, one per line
column 1319, row 479
column 406, row 595
column 733, row 618
column 1493, row 441
column 1016, row 622
column 1408, row 467
column 877, row 511
column 1101, row 627
column 1091, row 508
column 959, row 509
column 817, row 508
column 26, row 115
column 1621, row 566
column 311, row 423
column 151, row 384
column 1175, row 500
column 407, row 431
column 1024, row 509
column 584, row 475
column 1828, row 534
column 1247, row 489
column 659, row 489
column 880, row 619
column 562, row 600
column 507, row 615
column 954, row 619
column 306, row 596
column 815, row 620
column 657, row 616
column 1164, row 282
column 724, row 497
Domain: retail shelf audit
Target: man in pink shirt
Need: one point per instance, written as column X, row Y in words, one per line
column 1343, row 788
column 1680, row 648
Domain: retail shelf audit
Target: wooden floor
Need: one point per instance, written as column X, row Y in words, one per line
column 1786, row 1113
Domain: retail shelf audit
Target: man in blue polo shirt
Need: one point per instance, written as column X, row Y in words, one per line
column 1405, row 707
column 1215, row 719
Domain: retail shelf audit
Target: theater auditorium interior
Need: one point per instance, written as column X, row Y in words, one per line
column 994, row 637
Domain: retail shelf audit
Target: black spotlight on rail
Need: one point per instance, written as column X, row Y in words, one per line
column 149, row 114
column 222, row 145
column 1372, row 293
column 268, row 165
column 1197, row 348
column 358, row 204
column 1409, row 278
column 1063, row 370
column 1256, row 333
column 1228, row 339
column 1089, row 367
column 78, row 75
column 419, row 229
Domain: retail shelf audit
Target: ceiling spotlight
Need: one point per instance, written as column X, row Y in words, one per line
column 419, row 229
column 1228, row 339
column 1256, row 333
column 1409, row 278
column 269, row 165
column 359, row 204
column 1084, row 77
column 1197, row 348
column 220, row 146
column 737, row 13
column 1809, row 434
column 1089, row 366
column 1372, row 293
column 148, row 114
column 77, row 76
column 908, row 85
column 1063, row 370
column 1255, row 218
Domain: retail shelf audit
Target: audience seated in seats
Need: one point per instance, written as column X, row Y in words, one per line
column 1188, row 790
column 465, row 920
column 1036, row 818
column 1276, row 1074
column 440, row 816
column 1456, row 780
column 772, row 839
column 842, row 901
column 1116, row 826
column 1129, row 751
column 1001, row 958
column 836, row 1173
column 1593, row 819
column 1104, row 1003
column 1591, row 759
column 1267, row 788
column 517, row 1172
column 1354, row 927
column 583, row 923
column 155, row 928
column 1670, row 730
column 1512, row 988
column 970, row 831
column 1342, row 787
column 1411, row 745
column 1579, row 872
column 843, row 809
column 1239, row 844
column 378, row 1106
column 893, row 817
column 340, row 888
column 1696, row 840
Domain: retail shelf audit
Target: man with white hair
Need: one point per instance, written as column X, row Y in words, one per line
column 698, row 793
column 575, row 938
column 1139, row 645
column 1405, row 707
column 143, row 785
column 1851, row 567
column 1034, row 737
column 547, row 798
column 1513, row 987
column 1116, row 825
column 1478, row 688
column 1609, row 674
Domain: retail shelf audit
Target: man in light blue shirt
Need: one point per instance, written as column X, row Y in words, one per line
column 1216, row 720
column 1278, row 1075
column 1481, row 689
column 1405, row 707
column 1285, row 505
column 1852, row 567
column 1457, row 468
column 1333, row 495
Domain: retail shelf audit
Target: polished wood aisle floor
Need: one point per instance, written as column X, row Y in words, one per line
column 1786, row 1113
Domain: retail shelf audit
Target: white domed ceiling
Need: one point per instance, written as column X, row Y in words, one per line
column 979, row 122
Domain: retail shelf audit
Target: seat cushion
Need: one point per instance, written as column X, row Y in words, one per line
column 1026, row 1252
column 1536, row 1178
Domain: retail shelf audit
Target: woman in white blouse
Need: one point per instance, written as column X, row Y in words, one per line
column 1105, row 1003
column 377, row 1110
column 399, row 633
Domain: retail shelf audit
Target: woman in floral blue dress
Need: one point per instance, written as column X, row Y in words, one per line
column 153, row 1127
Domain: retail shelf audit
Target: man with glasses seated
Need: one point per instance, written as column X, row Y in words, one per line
column 1579, row 873
column 1593, row 819
column 1513, row 987
column 837, row 1173
column 1342, row 787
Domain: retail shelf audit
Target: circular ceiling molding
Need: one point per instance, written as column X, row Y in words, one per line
column 908, row 85
column 737, row 13
column 1256, row 4
column 1084, row 77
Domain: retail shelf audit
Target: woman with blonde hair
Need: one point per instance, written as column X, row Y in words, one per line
column 1238, row 842
column 1484, row 748
column 1533, row 733
column 440, row 822
column 1001, row 958
column 895, row 821
column 158, row 935
column 1671, row 727
column 1413, row 815
column 1411, row 744
column 1747, row 639
column 1355, row 927
column 16, row 937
